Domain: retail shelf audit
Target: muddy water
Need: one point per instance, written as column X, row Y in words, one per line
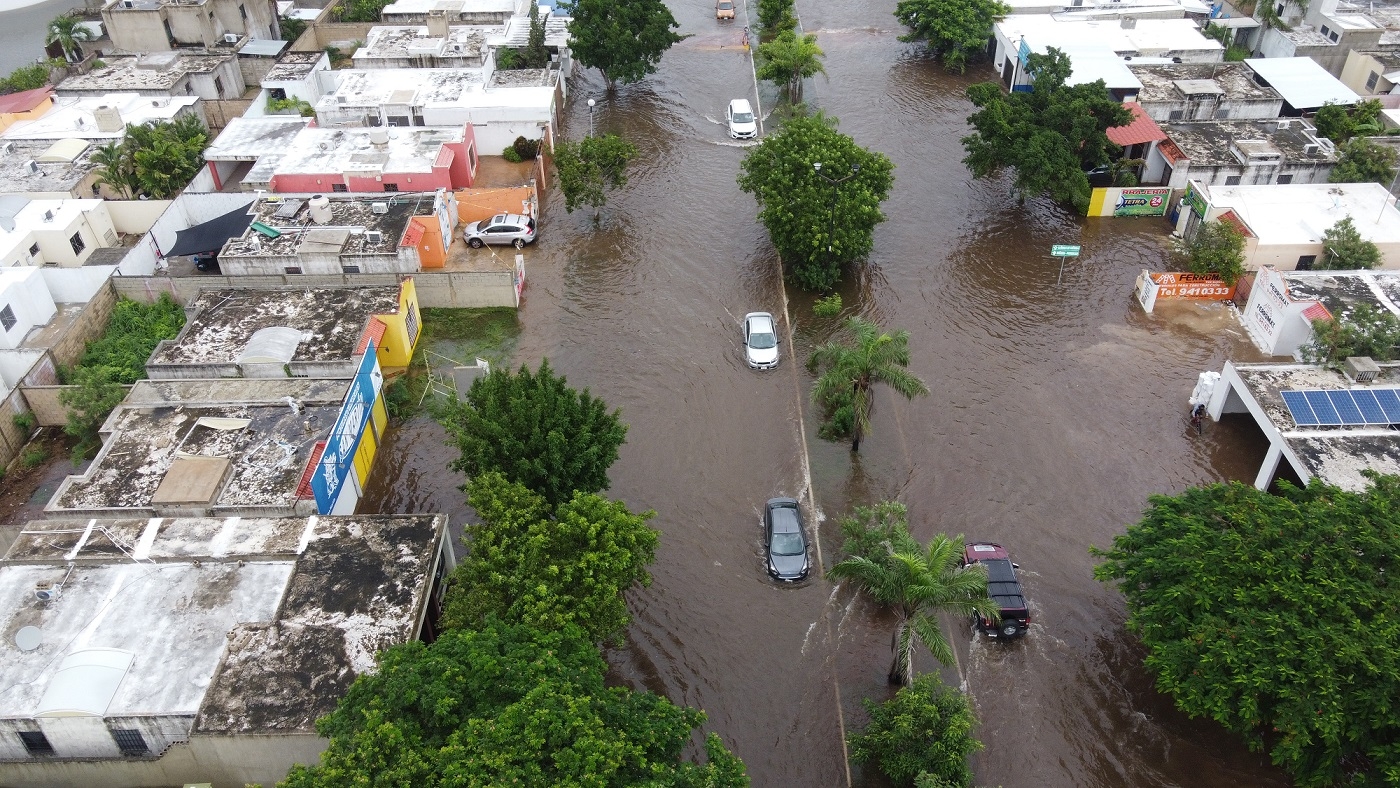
column 1055, row 410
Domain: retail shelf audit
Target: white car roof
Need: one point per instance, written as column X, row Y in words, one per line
column 740, row 105
column 760, row 320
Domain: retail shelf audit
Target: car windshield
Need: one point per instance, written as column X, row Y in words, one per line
column 762, row 341
column 725, row 5
column 743, row 117
column 788, row 544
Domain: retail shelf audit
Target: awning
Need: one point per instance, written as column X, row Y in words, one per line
column 1141, row 130
column 211, row 235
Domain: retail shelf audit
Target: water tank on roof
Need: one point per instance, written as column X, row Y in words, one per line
column 320, row 206
column 379, row 136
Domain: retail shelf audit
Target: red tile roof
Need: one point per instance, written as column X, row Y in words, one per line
column 374, row 331
column 1170, row 152
column 304, row 486
column 1142, row 129
column 1317, row 312
column 1234, row 218
column 413, row 234
column 25, row 100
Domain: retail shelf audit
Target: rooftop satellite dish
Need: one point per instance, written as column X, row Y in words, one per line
column 29, row 638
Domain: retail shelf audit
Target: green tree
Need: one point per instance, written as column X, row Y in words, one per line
column 924, row 732
column 787, row 60
column 547, row 566
column 1216, row 248
column 1340, row 123
column 157, row 159
column 588, row 168
column 292, row 28
column 68, row 32
column 116, row 169
column 24, row 78
column 815, row 224
column 507, row 705
column 535, row 430
column 1274, row 616
column 850, row 370
column 775, row 17
column 955, row 31
column 1363, row 330
column 362, row 10
column 1363, row 161
column 1050, row 136
column 918, row 583
column 624, row 39
column 92, row 394
column 1343, row 249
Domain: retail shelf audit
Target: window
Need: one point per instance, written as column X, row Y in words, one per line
column 1325, row 31
column 391, row 187
column 1176, row 114
column 471, row 156
column 1232, row 180
column 77, row 243
column 278, row 93
column 1285, row 179
column 1372, row 80
column 1278, row 12
column 338, row 187
column 350, row 269
column 219, row 86
column 292, row 269
column 411, row 323
column 7, row 317
column 1305, row 263
column 1333, row 36
column 36, row 742
column 34, row 250
column 130, row 742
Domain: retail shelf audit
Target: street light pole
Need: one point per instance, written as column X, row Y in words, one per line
column 591, row 103
column 835, row 184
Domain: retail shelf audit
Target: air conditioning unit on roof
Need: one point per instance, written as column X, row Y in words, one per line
column 374, row 236
column 379, row 207
column 1361, row 369
column 231, row 38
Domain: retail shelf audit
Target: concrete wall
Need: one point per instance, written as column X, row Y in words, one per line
column 218, row 113
column 1261, row 109
column 448, row 289
column 477, row 204
column 11, row 438
column 89, row 325
column 184, row 212
column 222, row 761
column 1317, row 172
column 76, row 285
column 133, row 217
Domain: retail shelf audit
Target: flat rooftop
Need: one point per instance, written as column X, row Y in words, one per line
column 1212, row 142
column 346, row 231
column 400, row 41
column 234, row 444
column 453, row 7
column 441, row 87
column 409, row 150
column 330, row 320
column 73, row 117
column 240, row 625
column 1299, row 213
column 1148, row 37
column 21, row 216
column 249, row 139
column 1233, row 81
column 150, row 71
column 295, row 66
column 1336, row 455
column 45, row 165
column 1302, row 82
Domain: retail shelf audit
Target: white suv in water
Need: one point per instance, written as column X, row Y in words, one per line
column 760, row 341
column 742, row 125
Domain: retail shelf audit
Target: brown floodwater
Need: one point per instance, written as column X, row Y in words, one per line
column 1055, row 410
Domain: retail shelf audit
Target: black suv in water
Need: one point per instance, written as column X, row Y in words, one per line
column 1004, row 589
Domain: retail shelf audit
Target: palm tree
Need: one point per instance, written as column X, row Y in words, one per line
column 850, row 373
column 788, row 60
column 919, row 584
column 115, row 168
column 67, row 31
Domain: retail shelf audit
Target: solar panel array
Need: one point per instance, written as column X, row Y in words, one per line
column 1343, row 408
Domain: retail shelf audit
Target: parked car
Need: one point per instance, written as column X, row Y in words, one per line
column 503, row 228
column 760, row 341
column 1004, row 589
column 724, row 9
column 742, row 125
column 785, row 540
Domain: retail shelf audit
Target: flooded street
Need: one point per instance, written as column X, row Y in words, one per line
column 1055, row 410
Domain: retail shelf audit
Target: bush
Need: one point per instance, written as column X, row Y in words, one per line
column 133, row 331
column 923, row 733
column 827, row 307
column 33, row 456
column 25, row 422
column 292, row 28
column 511, row 155
column 526, row 149
column 1366, row 331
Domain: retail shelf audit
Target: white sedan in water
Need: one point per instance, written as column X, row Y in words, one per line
column 760, row 340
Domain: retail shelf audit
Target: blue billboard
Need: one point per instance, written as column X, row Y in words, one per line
column 338, row 459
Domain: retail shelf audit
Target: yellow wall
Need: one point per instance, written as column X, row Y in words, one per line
column 396, row 348
column 9, row 118
column 1358, row 69
column 369, row 440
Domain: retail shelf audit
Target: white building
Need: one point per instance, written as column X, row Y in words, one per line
column 25, row 303
column 53, row 232
column 101, row 117
column 1304, row 85
column 208, row 76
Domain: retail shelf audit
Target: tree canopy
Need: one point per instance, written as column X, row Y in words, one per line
column 624, row 39
column 923, row 735
column 534, row 429
column 956, row 30
column 776, row 16
column 588, row 168
column 507, row 705
column 817, row 220
column 1273, row 615
column 1343, row 249
column 1362, row 331
column 546, row 566
column 1362, row 161
column 68, row 32
column 157, row 159
column 1340, row 123
column 787, row 60
column 1050, row 137
column 849, row 371
column 1216, row 248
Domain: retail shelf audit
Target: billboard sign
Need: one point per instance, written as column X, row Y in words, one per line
column 1142, row 202
column 1202, row 287
column 1194, row 199
column 339, row 457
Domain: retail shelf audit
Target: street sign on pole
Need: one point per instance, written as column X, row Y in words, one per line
column 1064, row 250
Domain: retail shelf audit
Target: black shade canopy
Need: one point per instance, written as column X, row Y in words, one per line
column 211, row 235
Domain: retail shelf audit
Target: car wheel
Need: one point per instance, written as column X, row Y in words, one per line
column 1008, row 629
column 519, row 243
column 474, row 243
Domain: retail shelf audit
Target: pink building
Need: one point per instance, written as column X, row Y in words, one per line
column 377, row 159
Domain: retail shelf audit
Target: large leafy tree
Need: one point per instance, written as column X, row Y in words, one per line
column 923, row 735
column 1340, row 123
column 624, row 39
column 817, row 219
column 1050, row 136
column 776, row 16
column 547, row 566
column 68, row 32
column 1216, row 248
column 1363, row 330
column 534, row 429
column 1274, row 615
column 507, row 705
column 157, row 159
column 588, row 168
column 1363, row 161
column 955, row 30
column 787, row 60
column 849, row 371
column 1343, row 248
column 916, row 582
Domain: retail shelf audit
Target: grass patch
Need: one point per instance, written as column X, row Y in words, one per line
column 33, row 456
column 461, row 335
